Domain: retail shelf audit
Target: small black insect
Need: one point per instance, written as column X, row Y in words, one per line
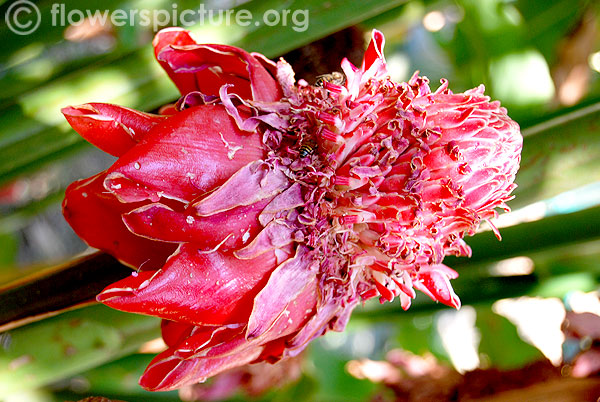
column 333, row 78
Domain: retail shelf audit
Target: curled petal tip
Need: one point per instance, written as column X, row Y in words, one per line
column 119, row 292
column 76, row 110
column 113, row 129
column 106, row 295
column 375, row 49
column 436, row 284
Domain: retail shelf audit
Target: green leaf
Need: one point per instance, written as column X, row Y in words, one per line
column 560, row 154
column 335, row 383
column 59, row 347
column 17, row 218
column 531, row 237
column 500, row 342
column 118, row 380
column 417, row 333
column 324, row 18
column 548, row 22
column 8, row 253
column 29, row 61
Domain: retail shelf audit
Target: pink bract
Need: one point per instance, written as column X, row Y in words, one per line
column 258, row 211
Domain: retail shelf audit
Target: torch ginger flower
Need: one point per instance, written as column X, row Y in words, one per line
column 259, row 211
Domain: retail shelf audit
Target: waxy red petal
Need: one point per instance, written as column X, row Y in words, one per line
column 206, row 68
column 194, row 287
column 183, row 362
column 95, row 215
column 274, row 236
column 232, row 229
column 287, row 200
column 285, row 284
column 331, row 315
column 177, row 37
column 253, row 183
column 294, row 317
column 174, row 332
column 189, row 153
column 167, row 372
column 205, row 354
column 114, row 129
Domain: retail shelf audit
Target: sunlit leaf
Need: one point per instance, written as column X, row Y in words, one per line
column 56, row 348
column 559, row 155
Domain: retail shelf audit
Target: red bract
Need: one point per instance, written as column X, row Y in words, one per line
column 258, row 212
column 253, row 380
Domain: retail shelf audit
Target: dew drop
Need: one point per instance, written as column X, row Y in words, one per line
column 137, row 165
column 246, row 236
